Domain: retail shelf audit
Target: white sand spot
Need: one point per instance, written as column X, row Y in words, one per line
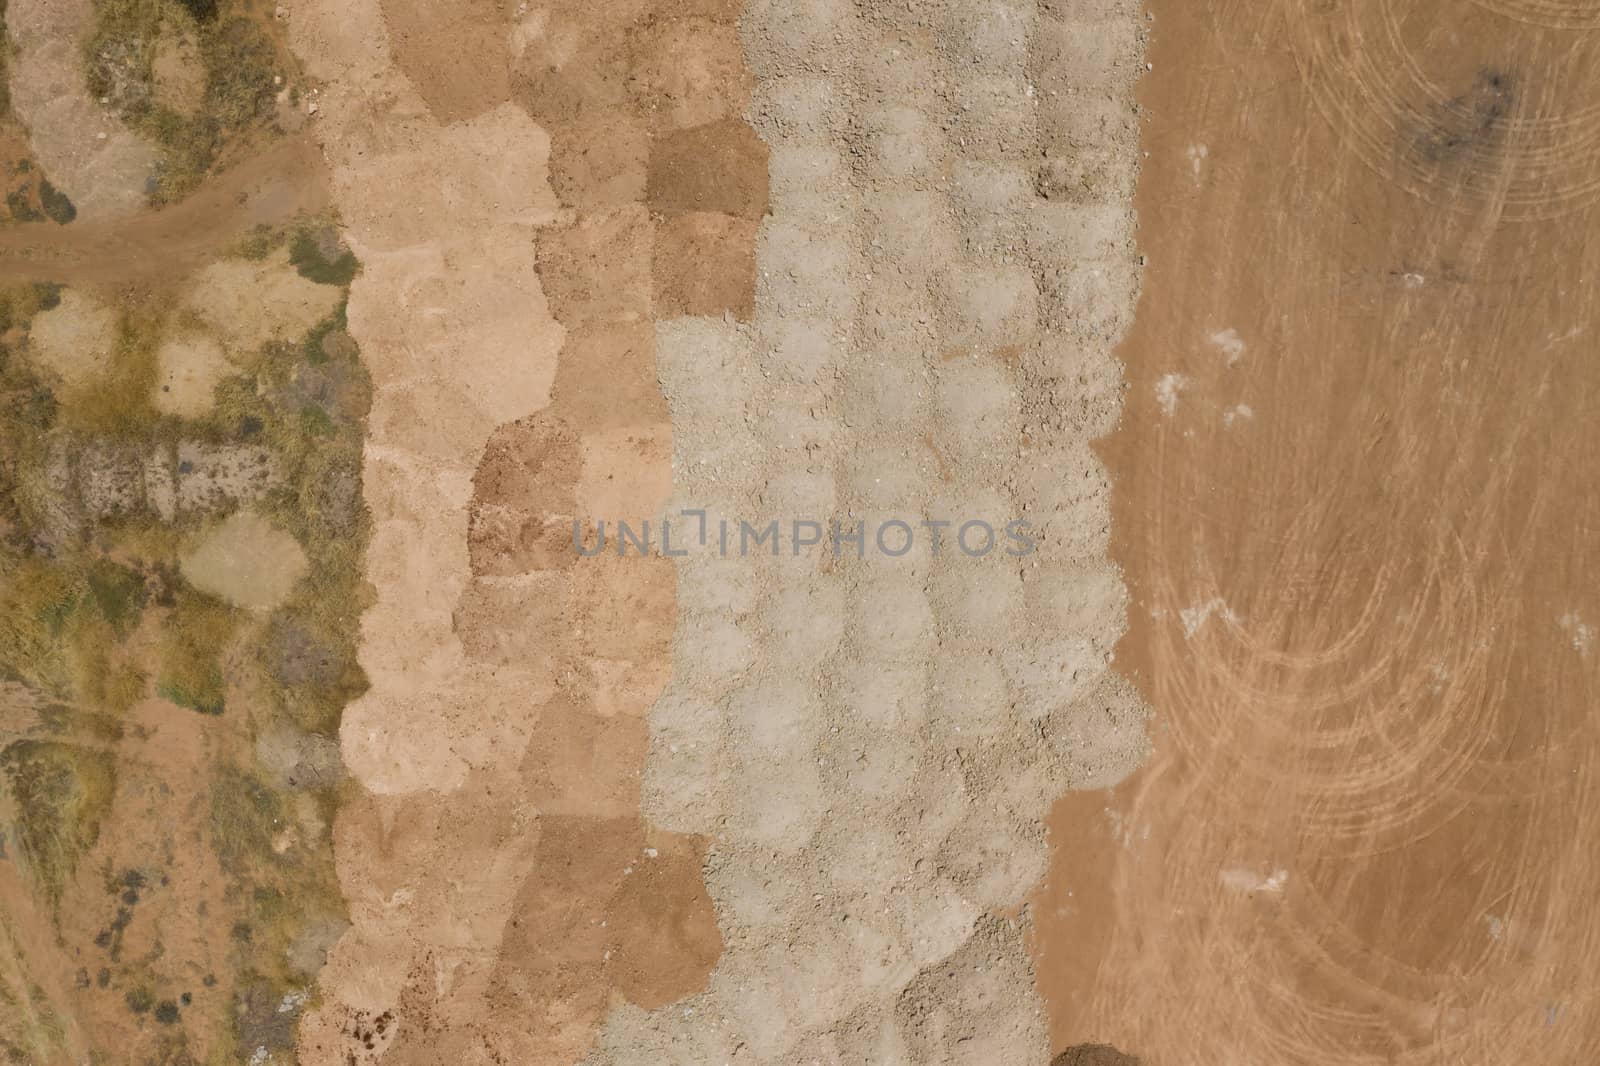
column 247, row 561
column 1229, row 343
column 1440, row 676
column 1241, row 879
column 1579, row 632
column 1167, row 390
column 1195, row 618
column 1237, row 413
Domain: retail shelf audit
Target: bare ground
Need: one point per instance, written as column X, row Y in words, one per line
column 1351, row 481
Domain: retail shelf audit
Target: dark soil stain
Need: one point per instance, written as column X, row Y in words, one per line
column 1474, row 121
column 1094, row 1055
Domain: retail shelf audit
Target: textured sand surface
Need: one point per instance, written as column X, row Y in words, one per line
column 1356, row 537
column 921, row 327
column 74, row 339
column 823, row 261
column 451, row 318
column 871, row 744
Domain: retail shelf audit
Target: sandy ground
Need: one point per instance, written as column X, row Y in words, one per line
column 1351, row 480
column 504, row 888
column 915, row 319
column 871, row 744
column 858, row 260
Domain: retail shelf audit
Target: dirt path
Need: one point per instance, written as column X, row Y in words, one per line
column 1353, row 502
column 285, row 179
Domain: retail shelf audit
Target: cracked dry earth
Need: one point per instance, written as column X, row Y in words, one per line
column 339, row 723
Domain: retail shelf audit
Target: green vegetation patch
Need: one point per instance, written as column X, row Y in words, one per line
column 52, row 203
column 319, row 257
column 72, row 621
column 119, row 401
column 37, row 600
column 62, row 623
column 119, row 593
column 194, row 638
column 19, row 303
column 63, row 792
column 259, row 243
column 240, row 63
column 246, row 815
column 5, row 63
column 20, row 203
column 321, row 394
column 55, row 204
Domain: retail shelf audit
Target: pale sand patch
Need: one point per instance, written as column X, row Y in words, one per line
column 191, row 365
column 627, row 475
column 250, row 303
column 74, row 338
column 87, row 152
column 247, row 561
column 453, row 326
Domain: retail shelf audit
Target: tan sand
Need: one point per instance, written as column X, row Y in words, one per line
column 247, row 561
column 190, row 367
column 1363, row 590
column 74, row 339
column 87, row 151
column 249, row 303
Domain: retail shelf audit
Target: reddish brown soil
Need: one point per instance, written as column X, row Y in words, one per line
column 1364, row 836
